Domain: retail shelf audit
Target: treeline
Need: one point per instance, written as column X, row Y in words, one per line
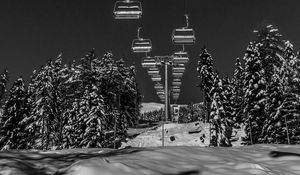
column 189, row 113
column 69, row 106
column 263, row 95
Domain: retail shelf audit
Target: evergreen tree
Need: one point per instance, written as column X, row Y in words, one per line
column 238, row 93
column 228, row 104
column 255, row 94
column 3, row 86
column 284, row 102
column 271, row 48
column 217, row 110
column 46, row 105
column 206, row 70
column 222, row 111
column 12, row 129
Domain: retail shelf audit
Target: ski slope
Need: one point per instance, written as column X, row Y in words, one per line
column 185, row 134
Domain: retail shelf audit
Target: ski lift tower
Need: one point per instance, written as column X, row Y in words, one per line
column 165, row 62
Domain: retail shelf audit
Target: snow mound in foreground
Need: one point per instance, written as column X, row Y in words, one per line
column 246, row 160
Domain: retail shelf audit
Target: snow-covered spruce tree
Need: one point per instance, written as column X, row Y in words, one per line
column 12, row 129
column 228, row 103
column 255, row 95
column 222, row 111
column 3, row 86
column 46, row 106
column 87, row 112
column 206, row 72
column 238, row 93
column 284, row 102
column 292, row 89
column 270, row 47
column 217, row 110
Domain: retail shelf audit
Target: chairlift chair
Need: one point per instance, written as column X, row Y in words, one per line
column 141, row 45
column 161, row 96
column 160, row 93
column 153, row 71
column 176, row 83
column 175, row 90
column 127, row 9
column 159, row 89
column 158, row 86
column 184, row 35
column 175, row 97
column 175, row 94
column 148, row 62
column 180, row 57
column 156, row 78
column 177, row 74
column 178, row 68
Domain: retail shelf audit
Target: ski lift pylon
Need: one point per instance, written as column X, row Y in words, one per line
column 127, row 9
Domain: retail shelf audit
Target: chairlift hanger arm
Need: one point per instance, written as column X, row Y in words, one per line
column 138, row 32
column 187, row 20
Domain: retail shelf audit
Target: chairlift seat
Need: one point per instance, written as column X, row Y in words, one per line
column 156, row 79
column 153, row 72
column 183, row 36
column 178, row 69
column 158, row 86
column 148, row 62
column 141, row 45
column 175, row 90
column 177, row 74
column 180, row 57
column 176, row 83
column 127, row 10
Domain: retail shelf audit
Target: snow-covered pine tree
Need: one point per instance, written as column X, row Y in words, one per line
column 238, row 93
column 46, row 105
column 206, row 70
column 3, row 87
column 283, row 126
column 270, row 47
column 273, row 127
column 71, row 101
column 255, row 94
column 222, row 111
column 90, row 120
column 217, row 110
column 228, row 103
column 12, row 129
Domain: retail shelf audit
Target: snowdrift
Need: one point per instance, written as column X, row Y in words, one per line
column 256, row 159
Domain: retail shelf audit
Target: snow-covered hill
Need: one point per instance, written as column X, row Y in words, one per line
column 178, row 160
column 147, row 107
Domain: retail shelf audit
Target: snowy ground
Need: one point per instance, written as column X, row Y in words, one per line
column 195, row 159
column 189, row 134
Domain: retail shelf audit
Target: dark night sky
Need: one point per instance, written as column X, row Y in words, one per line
column 32, row 31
